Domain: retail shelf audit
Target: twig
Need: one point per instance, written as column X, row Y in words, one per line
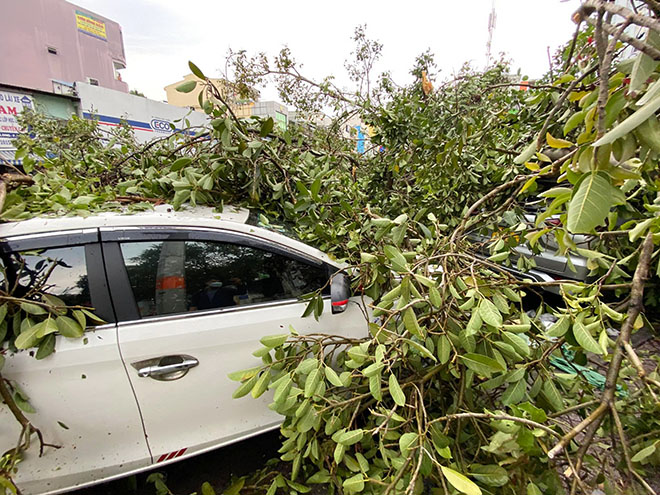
column 560, row 102
column 476, row 205
column 497, row 417
column 639, row 19
column 649, row 50
column 592, row 422
column 28, row 427
column 572, row 50
column 604, row 69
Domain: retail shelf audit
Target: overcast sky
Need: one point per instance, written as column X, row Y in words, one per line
column 160, row 36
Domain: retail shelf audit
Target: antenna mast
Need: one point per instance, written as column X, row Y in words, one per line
column 492, row 19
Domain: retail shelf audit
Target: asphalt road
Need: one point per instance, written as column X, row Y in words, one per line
column 186, row 477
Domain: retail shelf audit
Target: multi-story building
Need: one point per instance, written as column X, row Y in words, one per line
column 242, row 108
column 47, row 45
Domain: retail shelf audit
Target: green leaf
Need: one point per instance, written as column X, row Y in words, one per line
column 180, row 163
column 332, row 377
column 186, row 87
column 443, row 349
column 267, row 127
column 195, row 70
column 406, row 441
column 559, row 328
column 489, row 313
column 396, row 392
column 46, row 347
column 644, row 453
column 532, row 489
column 354, row 484
column 207, row 489
column 557, row 143
column 28, row 337
column 312, row 382
column 460, row 482
column 350, row 437
column 644, row 65
column 273, row 341
column 397, row 259
column 527, row 153
column 235, row 487
column 517, row 342
column 68, row 327
column 491, row 475
column 420, row 348
column 245, row 387
column 584, row 338
column 411, row 324
column 514, row 393
column 262, row 384
column 551, row 393
column 591, row 203
column 482, row 365
column 637, row 118
column 33, row 309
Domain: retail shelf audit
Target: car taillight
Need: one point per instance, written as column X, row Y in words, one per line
column 553, row 222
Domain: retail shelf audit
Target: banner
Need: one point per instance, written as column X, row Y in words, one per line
column 11, row 106
column 89, row 25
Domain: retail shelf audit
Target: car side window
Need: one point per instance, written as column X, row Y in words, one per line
column 60, row 272
column 179, row 276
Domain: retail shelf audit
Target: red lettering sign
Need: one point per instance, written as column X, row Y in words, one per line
column 8, row 110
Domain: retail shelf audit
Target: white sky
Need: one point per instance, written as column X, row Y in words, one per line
column 160, row 36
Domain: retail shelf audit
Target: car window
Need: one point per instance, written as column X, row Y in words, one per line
column 61, row 272
column 179, row 276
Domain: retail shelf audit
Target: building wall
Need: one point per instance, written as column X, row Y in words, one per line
column 86, row 44
column 190, row 100
column 149, row 119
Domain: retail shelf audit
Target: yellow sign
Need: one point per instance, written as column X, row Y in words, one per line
column 89, row 25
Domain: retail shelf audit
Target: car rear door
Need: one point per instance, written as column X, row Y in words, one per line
column 194, row 305
column 81, row 395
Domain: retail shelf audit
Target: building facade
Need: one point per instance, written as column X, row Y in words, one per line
column 47, row 45
column 241, row 108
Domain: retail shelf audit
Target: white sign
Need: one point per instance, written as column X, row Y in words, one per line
column 11, row 106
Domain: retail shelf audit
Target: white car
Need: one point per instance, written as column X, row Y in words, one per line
column 186, row 297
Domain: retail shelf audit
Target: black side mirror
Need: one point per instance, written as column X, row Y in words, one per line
column 340, row 291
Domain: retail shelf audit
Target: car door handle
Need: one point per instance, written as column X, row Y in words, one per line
column 165, row 367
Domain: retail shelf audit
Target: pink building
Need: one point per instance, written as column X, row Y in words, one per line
column 50, row 44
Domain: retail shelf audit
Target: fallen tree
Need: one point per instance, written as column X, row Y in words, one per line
column 455, row 388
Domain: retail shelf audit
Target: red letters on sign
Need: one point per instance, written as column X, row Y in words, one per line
column 8, row 110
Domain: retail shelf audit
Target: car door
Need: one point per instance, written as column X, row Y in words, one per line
column 81, row 395
column 195, row 305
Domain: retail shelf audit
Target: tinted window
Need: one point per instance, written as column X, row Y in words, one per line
column 178, row 276
column 61, row 272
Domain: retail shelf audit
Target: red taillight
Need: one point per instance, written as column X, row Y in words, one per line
column 553, row 222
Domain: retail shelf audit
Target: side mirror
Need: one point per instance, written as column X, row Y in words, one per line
column 340, row 291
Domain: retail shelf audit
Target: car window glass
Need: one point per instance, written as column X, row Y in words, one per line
column 61, row 272
column 178, row 276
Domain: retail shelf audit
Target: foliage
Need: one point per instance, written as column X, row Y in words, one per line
column 455, row 388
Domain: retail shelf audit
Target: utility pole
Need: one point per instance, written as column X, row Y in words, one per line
column 492, row 19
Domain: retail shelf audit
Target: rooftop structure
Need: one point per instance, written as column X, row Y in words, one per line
column 50, row 44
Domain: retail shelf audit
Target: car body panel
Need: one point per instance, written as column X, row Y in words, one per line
column 196, row 411
column 115, row 422
column 83, row 404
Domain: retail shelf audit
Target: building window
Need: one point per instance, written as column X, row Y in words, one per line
column 92, row 81
column 52, row 50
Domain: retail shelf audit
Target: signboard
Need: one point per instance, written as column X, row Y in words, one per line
column 90, row 25
column 11, row 106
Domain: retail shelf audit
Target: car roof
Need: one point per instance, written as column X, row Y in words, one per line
column 231, row 218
